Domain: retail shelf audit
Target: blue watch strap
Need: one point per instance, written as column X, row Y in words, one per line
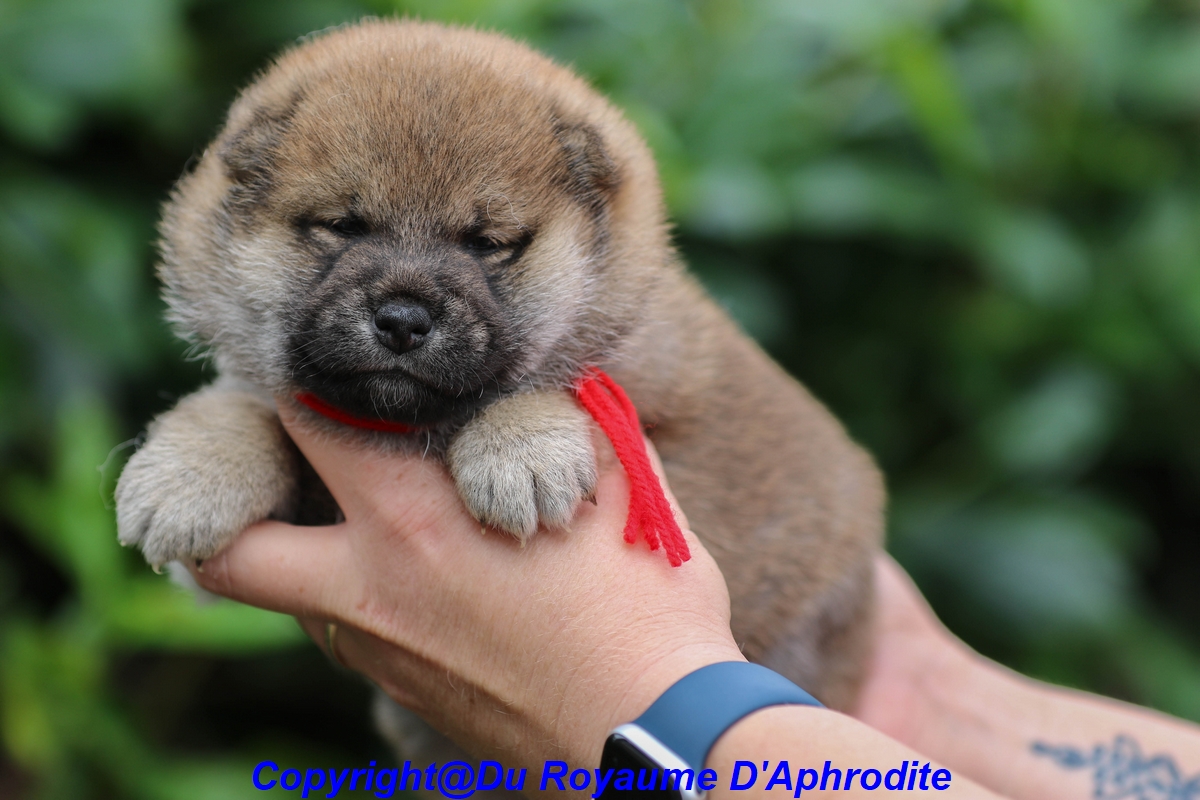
column 691, row 715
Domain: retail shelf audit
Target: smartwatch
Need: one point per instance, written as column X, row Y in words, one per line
column 674, row 735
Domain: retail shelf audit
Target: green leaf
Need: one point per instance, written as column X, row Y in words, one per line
column 1059, row 426
column 69, row 514
column 1034, row 255
column 152, row 613
column 926, row 79
column 28, row 729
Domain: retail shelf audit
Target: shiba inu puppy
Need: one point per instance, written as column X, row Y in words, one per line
column 440, row 230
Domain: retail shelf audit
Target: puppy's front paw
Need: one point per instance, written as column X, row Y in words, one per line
column 215, row 464
column 525, row 459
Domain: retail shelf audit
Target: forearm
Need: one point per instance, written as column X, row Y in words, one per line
column 1030, row 741
column 1018, row 737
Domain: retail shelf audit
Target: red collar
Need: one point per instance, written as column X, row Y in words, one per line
column 334, row 413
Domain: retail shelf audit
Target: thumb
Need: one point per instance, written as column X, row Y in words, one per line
column 286, row 568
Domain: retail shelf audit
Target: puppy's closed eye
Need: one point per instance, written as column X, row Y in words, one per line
column 347, row 226
column 483, row 246
column 492, row 248
column 331, row 234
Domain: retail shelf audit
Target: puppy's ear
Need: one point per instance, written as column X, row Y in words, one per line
column 593, row 176
column 247, row 153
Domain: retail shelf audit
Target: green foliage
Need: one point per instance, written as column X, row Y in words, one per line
column 971, row 226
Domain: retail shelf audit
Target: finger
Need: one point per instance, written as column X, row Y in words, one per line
column 328, row 637
column 315, row 628
column 286, row 568
column 325, row 636
column 358, row 651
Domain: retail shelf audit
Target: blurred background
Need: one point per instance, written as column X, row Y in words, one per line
column 971, row 227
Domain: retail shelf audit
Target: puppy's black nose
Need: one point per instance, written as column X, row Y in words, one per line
column 402, row 326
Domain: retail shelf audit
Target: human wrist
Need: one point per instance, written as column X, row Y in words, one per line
column 914, row 662
column 958, row 696
column 621, row 696
column 935, row 689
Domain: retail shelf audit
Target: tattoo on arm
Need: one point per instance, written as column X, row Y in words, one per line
column 1121, row 772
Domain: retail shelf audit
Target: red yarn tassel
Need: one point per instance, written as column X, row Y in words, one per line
column 649, row 511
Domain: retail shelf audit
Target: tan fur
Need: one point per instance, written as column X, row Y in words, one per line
column 427, row 133
column 217, row 463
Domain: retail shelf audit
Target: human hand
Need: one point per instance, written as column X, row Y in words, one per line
column 528, row 653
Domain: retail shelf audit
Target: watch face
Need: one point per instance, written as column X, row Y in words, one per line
column 631, row 771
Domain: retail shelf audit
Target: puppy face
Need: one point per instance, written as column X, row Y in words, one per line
column 397, row 221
